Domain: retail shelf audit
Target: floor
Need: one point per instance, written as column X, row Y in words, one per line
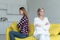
column 2, row 37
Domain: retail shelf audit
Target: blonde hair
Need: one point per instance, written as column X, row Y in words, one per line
column 39, row 9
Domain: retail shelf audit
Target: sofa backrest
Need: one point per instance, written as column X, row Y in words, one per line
column 31, row 28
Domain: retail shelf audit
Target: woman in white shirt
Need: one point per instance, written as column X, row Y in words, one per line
column 41, row 25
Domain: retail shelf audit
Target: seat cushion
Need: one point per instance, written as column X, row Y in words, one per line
column 28, row 38
column 57, row 37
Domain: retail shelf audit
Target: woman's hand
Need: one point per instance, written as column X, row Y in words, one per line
column 37, row 25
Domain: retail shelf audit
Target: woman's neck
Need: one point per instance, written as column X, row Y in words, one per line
column 41, row 17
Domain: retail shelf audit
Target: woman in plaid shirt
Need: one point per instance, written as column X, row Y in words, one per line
column 22, row 26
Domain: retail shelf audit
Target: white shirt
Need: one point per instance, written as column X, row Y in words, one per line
column 42, row 28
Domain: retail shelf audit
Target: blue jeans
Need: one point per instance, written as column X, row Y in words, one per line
column 14, row 34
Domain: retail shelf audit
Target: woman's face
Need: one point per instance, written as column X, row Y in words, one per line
column 21, row 12
column 41, row 12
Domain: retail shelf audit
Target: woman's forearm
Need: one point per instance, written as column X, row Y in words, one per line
column 46, row 27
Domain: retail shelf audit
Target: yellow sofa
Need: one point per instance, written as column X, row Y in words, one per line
column 54, row 31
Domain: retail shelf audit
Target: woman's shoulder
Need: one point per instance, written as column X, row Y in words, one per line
column 25, row 17
column 46, row 17
column 36, row 18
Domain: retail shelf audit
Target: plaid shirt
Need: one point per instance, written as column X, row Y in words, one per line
column 23, row 25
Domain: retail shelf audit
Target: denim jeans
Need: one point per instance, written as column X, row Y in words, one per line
column 14, row 34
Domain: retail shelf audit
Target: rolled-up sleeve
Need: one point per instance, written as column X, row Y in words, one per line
column 47, row 26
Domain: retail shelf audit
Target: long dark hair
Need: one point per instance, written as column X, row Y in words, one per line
column 24, row 12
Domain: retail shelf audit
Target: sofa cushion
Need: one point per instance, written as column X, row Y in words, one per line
column 54, row 29
column 28, row 38
column 57, row 37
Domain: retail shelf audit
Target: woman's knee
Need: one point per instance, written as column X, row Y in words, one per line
column 11, row 32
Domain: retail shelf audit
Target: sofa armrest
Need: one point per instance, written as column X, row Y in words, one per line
column 7, row 33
